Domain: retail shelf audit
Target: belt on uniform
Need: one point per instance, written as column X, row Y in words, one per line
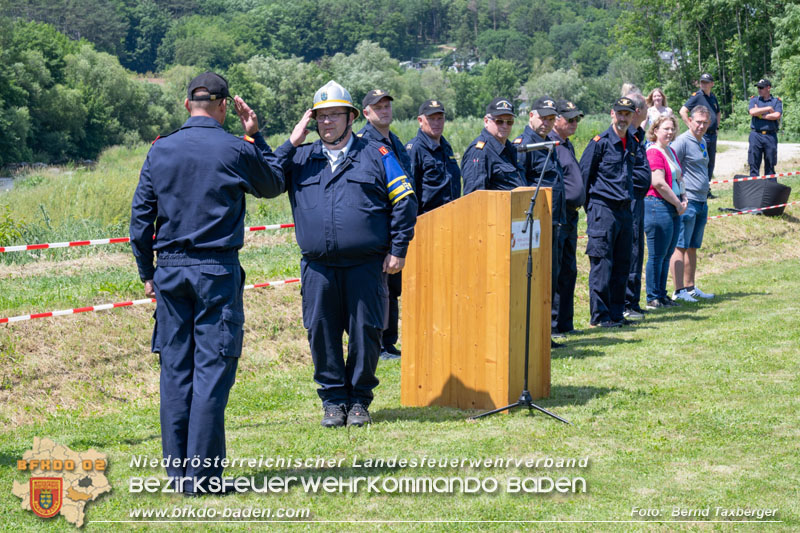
column 765, row 132
column 612, row 204
column 197, row 257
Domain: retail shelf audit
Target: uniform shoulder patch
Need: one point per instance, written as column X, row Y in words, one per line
column 359, row 134
column 249, row 139
column 154, row 140
column 596, row 138
column 636, row 138
column 694, row 93
column 479, row 145
column 383, row 150
column 409, row 146
column 518, row 140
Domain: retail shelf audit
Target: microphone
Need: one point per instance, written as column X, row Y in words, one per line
column 537, row 146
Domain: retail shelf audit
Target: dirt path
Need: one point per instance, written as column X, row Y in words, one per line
column 734, row 159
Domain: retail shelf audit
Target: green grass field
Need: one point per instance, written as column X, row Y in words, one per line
column 695, row 408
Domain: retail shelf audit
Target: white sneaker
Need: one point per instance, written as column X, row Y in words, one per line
column 683, row 296
column 697, row 293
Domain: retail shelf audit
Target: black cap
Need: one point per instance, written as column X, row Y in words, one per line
column 430, row 107
column 375, row 96
column 567, row 109
column 624, row 104
column 500, row 106
column 216, row 85
column 545, row 106
column 763, row 82
column 706, row 77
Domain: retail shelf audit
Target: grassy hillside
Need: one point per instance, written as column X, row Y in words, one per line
column 696, row 407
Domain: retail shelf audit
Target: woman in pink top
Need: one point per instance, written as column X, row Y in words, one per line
column 664, row 203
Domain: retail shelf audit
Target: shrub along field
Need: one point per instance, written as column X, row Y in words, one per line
column 694, row 408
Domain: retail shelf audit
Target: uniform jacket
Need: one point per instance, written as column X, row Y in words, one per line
column 641, row 168
column 574, row 185
column 487, row 164
column 607, row 167
column 363, row 211
column 710, row 101
column 371, row 133
column 532, row 163
column 192, row 185
column 435, row 169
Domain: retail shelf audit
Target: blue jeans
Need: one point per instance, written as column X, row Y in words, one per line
column 662, row 226
column 693, row 225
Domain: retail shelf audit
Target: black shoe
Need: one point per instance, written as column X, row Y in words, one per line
column 606, row 324
column 626, row 322
column 390, row 352
column 655, row 304
column 711, row 196
column 633, row 314
column 668, row 302
column 557, row 335
column 554, row 344
column 358, row 415
column 334, row 416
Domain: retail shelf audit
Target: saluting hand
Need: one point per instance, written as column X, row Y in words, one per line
column 246, row 115
column 301, row 130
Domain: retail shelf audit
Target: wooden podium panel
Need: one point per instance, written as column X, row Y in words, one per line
column 463, row 303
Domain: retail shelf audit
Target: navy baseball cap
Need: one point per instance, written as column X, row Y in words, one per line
column 568, row 110
column 500, row 106
column 624, row 104
column 706, row 77
column 431, row 107
column 375, row 96
column 763, row 82
column 216, row 85
column 545, row 106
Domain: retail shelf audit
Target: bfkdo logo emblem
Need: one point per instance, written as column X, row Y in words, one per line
column 46, row 495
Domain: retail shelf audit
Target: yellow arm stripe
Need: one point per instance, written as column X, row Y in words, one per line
column 389, row 185
column 329, row 101
column 396, row 191
column 401, row 197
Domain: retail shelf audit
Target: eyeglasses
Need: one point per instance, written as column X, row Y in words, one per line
column 332, row 117
column 500, row 122
column 574, row 120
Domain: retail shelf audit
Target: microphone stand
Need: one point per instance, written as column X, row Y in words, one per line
column 525, row 399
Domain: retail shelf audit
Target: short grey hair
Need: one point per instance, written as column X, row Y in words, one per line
column 701, row 110
column 638, row 100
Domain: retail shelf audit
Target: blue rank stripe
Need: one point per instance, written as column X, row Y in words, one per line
column 397, row 185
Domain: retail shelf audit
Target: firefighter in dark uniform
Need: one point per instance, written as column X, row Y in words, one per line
column 543, row 164
column 433, row 164
column 607, row 167
column 766, row 111
column 707, row 98
column 354, row 212
column 641, row 184
column 377, row 106
column 490, row 161
column 565, row 125
column 191, row 196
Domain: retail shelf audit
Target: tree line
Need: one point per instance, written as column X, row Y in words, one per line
column 72, row 74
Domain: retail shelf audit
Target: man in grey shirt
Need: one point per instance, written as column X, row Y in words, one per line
column 693, row 156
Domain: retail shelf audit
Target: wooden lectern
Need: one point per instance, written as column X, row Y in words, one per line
column 464, row 286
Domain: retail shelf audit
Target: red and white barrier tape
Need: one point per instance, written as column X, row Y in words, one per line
column 104, row 307
column 764, row 177
column 44, row 246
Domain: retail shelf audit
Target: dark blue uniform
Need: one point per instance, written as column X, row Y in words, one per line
column 487, row 164
column 532, row 164
column 763, row 137
column 710, row 137
column 607, row 166
column 436, row 173
column 563, row 309
column 192, row 186
column 346, row 222
column 641, row 184
column 394, row 281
